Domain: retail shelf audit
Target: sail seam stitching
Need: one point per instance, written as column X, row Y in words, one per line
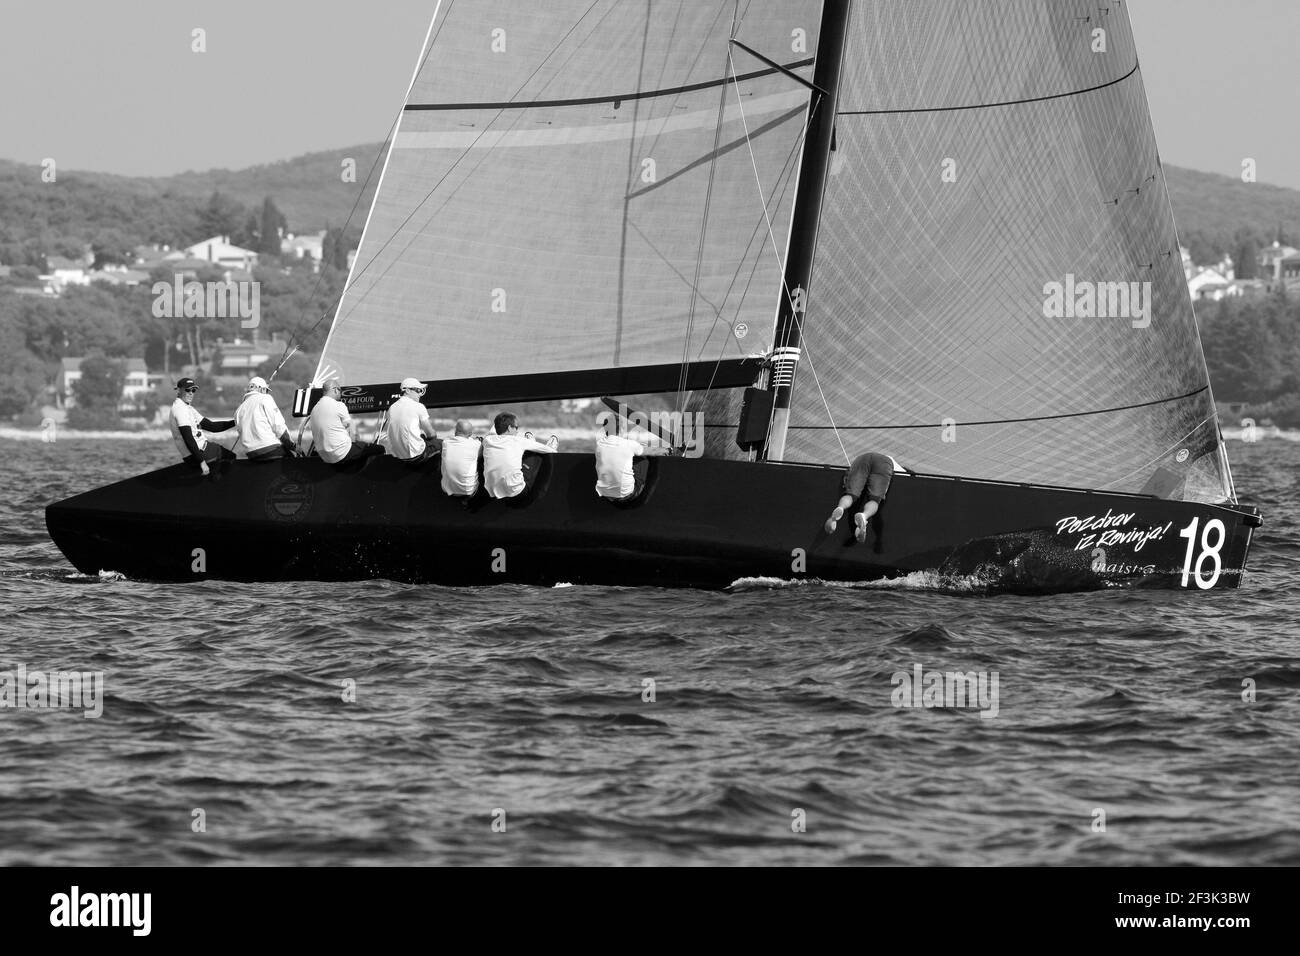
column 1012, row 421
column 989, row 106
column 592, row 100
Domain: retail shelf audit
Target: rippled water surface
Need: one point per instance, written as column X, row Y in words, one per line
column 524, row 707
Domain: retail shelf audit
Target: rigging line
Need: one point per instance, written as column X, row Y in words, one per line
column 1013, row 421
column 1138, row 470
column 290, row 347
column 785, row 288
column 989, row 106
column 465, row 152
column 784, row 179
column 803, row 337
column 704, row 228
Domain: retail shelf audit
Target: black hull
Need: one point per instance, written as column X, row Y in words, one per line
column 701, row 523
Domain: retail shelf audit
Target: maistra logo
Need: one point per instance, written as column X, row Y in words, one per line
column 289, row 498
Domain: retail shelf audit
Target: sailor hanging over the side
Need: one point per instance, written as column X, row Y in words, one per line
column 872, row 473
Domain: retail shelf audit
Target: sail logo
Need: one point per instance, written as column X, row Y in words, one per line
column 684, row 430
column 209, row 300
column 950, row 689
column 1074, row 299
column 39, row 690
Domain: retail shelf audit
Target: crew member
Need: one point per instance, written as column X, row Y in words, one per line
column 621, row 464
column 262, row 430
column 872, row 473
column 411, row 438
column 187, row 426
column 505, row 473
column 460, row 461
column 333, row 432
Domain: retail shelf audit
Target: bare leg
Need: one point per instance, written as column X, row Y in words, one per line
column 838, row 513
column 861, row 519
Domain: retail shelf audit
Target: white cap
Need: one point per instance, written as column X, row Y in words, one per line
column 411, row 383
column 259, row 383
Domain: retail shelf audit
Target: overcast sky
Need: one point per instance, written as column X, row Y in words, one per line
column 112, row 85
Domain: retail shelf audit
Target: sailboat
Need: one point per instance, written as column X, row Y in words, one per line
column 937, row 229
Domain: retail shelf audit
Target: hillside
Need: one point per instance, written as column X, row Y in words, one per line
column 1210, row 209
column 78, row 206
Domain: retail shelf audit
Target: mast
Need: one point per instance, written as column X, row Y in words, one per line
column 813, row 166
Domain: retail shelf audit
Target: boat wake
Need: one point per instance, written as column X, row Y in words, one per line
column 916, row 581
column 63, row 575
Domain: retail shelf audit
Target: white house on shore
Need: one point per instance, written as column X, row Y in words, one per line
column 138, row 381
column 1208, row 284
column 300, row 247
column 220, row 251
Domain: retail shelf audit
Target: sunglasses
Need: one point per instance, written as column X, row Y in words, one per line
column 190, row 391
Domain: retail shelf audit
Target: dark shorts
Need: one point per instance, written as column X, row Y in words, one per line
column 213, row 452
column 870, row 473
column 530, row 466
column 268, row 453
column 431, row 450
column 361, row 449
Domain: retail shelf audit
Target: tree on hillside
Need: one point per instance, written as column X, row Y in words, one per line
column 248, row 236
column 98, row 392
column 1202, row 248
column 22, row 374
column 84, row 319
column 112, row 247
column 222, row 216
column 273, row 223
column 335, row 248
column 1246, row 259
column 1243, row 351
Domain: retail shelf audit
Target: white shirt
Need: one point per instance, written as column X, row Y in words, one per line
column 460, row 465
column 614, row 454
column 259, row 422
column 503, row 459
column 405, row 440
column 329, row 429
column 184, row 414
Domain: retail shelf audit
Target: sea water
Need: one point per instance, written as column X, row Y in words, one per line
column 908, row 722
